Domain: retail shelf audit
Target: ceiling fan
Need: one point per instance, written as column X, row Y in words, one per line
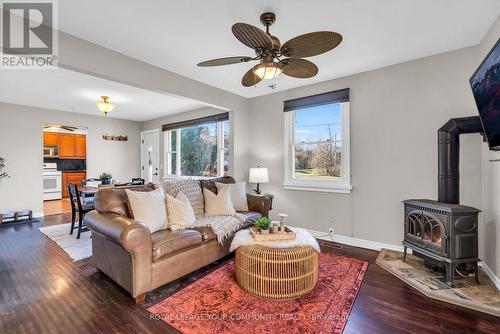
column 57, row 126
column 276, row 58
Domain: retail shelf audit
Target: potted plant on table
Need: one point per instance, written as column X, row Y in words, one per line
column 271, row 197
column 106, row 178
column 263, row 224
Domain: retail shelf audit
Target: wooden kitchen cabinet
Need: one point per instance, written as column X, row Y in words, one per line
column 50, row 139
column 66, row 146
column 80, row 146
column 71, row 177
column 70, row 146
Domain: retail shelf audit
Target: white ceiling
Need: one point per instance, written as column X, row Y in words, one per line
column 176, row 35
column 66, row 90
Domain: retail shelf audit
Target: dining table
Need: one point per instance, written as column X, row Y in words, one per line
column 87, row 191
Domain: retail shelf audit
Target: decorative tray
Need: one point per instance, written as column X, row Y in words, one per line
column 279, row 236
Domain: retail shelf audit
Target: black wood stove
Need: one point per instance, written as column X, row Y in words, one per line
column 444, row 232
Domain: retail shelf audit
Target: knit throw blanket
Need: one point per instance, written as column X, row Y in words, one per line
column 223, row 226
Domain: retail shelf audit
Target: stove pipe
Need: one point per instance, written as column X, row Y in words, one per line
column 449, row 156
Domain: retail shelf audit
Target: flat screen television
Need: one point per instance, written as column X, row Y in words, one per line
column 485, row 83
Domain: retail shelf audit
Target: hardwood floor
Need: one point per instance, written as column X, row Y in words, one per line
column 41, row 290
column 57, row 206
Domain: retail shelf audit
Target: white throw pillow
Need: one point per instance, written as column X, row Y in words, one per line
column 237, row 193
column 148, row 207
column 180, row 212
column 218, row 205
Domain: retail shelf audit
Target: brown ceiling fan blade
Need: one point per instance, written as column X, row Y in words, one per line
column 311, row 44
column 225, row 61
column 65, row 127
column 250, row 79
column 299, row 68
column 252, row 36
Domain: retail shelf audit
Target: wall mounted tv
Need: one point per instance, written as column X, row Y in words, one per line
column 485, row 83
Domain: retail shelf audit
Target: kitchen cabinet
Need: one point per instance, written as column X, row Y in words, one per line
column 71, row 177
column 66, row 146
column 72, row 146
column 80, row 146
column 50, row 139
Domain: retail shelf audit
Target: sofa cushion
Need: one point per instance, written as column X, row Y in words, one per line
column 206, row 233
column 180, row 212
column 218, row 205
column 167, row 243
column 114, row 199
column 210, row 183
column 237, row 192
column 190, row 188
column 148, row 207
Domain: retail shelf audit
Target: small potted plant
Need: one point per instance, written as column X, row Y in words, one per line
column 106, row 178
column 263, row 224
column 271, row 197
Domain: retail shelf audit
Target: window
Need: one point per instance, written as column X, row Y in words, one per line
column 198, row 147
column 317, row 143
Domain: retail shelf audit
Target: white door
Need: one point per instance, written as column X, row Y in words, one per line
column 150, row 155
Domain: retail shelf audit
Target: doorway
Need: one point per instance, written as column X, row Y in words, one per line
column 64, row 161
column 150, row 155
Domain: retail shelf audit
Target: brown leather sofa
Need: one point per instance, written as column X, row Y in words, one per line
column 141, row 261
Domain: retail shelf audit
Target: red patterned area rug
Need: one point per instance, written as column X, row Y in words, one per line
column 216, row 304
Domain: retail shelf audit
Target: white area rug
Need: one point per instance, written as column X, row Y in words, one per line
column 77, row 249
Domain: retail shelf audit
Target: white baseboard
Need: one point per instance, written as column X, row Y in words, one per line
column 373, row 245
column 377, row 246
column 490, row 274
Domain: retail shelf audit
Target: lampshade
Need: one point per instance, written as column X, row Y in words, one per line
column 104, row 105
column 268, row 70
column 258, row 175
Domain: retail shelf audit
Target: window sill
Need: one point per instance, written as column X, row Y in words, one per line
column 317, row 186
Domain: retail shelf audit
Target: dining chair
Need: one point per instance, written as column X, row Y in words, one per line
column 77, row 205
column 88, row 198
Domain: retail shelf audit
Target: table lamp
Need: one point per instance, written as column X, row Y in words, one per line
column 258, row 175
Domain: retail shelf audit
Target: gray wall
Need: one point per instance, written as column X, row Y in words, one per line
column 395, row 112
column 21, row 143
column 490, row 229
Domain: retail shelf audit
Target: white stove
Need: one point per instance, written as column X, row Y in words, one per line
column 52, row 182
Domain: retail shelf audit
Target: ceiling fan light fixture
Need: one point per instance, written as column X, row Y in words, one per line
column 268, row 70
column 269, row 50
column 105, row 106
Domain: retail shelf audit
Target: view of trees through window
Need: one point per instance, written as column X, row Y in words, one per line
column 199, row 150
column 202, row 147
column 318, row 141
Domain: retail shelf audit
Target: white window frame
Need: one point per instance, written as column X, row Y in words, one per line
column 340, row 185
column 168, row 153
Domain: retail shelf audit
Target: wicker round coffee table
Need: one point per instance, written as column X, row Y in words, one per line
column 276, row 273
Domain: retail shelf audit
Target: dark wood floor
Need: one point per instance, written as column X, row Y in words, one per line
column 42, row 291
